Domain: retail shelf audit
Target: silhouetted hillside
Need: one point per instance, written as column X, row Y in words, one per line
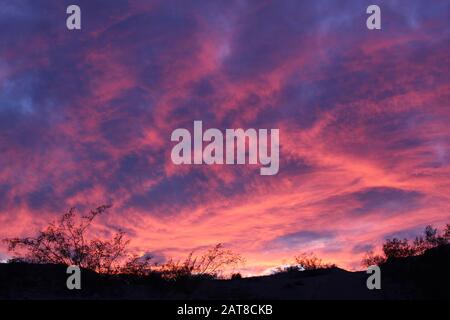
column 426, row 276
column 419, row 277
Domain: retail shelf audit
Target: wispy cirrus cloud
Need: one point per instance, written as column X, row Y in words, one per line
column 85, row 119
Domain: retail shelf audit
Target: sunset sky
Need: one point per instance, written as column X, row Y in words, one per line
column 364, row 119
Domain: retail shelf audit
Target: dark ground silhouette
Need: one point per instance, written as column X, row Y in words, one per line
column 418, row 277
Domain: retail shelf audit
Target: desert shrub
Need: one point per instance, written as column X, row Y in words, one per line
column 304, row 262
column 431, row 238
column 136, row 265
column 446, row 233
column 371, row 259
column 212, row 264
column 236, row 276
column 309, row 261
column 66, row 241
column 288, row 269
column 396, row 248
